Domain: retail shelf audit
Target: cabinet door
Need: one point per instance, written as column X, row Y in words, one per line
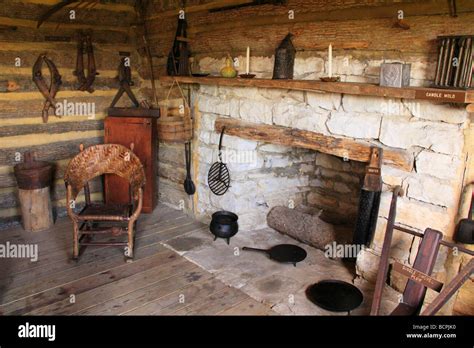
column 125, row 131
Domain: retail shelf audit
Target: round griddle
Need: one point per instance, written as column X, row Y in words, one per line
column 335, row 295
column 284, row 253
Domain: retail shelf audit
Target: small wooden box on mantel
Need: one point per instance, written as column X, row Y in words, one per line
column 138, row 126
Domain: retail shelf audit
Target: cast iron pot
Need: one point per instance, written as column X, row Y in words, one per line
column 224, row 225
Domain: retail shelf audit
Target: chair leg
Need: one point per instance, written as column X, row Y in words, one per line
column 130, row 245
column 75, row 247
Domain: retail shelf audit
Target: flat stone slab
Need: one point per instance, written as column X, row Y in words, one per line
column 281, row 286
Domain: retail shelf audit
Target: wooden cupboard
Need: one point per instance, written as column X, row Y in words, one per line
column 122, row 127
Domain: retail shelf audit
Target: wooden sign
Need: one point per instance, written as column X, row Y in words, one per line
column 441, row 95
column 418, row 276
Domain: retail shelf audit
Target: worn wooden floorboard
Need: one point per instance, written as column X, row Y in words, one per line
column 62, row 251
column 93, row 261
column 159, row 281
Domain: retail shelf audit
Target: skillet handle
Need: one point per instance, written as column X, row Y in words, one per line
column 255, row 249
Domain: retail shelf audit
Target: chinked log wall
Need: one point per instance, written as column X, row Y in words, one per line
column 21, row 126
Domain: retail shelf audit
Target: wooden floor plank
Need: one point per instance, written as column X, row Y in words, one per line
column 94, row 260
column 179, row 299
column 214, row 303
column 142, row 297
column 121, row 286
column 56, row 247
column 248, row 306
column 158, row 282
column 79, row 286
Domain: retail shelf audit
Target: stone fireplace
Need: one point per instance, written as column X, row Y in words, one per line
column 264, row 174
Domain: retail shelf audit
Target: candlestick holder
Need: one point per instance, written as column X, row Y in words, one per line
column 247, row 76
column 331, row 79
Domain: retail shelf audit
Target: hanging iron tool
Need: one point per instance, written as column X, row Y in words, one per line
column 48, row 92
column 178, row 58
column 369, row 200
column 125, row 79
column 85, row 46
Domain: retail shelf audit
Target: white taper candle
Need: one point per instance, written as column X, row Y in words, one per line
column 330, row 60
column 248, row 60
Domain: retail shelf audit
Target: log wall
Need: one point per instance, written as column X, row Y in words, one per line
column 21, row 126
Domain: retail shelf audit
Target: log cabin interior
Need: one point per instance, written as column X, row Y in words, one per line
column 240, row 157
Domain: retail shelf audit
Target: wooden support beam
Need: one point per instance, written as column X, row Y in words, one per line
column 27, row 23
column 341, row 147
column 115, row 7
column 364, row 12
column 200, row 8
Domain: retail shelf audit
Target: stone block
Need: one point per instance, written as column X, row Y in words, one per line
column 277, row 161
column 240, row 188
column 392, row 176
column 327, row 101
column 257, row 112
column 365, row 126
column 321, row 200
column 438, row 165
column 428, row 110
column 207, row 122
column 306, row 168
column 237, row 143
column 271, row 184
column 332, row 162
column 274, row 148
column 209, row 89
column 214, row 105
column 431, row 190
column 418, row 215
column 367, row 265
column 358, row 103
column 299, row 116
column 403, row 133
column 206, row 154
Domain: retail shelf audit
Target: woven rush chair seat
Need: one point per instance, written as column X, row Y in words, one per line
column 123, row 211
column 90, row 163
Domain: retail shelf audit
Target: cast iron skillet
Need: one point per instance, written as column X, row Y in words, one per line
column 335, row 295
column 284, row 253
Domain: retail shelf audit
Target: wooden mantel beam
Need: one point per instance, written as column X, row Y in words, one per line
column 354, row 88
column 341, row 147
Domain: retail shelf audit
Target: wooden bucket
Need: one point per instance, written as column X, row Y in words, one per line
column 175, row 123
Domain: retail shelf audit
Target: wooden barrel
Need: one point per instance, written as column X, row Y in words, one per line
column 34, row 181
column 175, row 124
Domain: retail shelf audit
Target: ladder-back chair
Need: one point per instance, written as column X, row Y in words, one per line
column 93, row 162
